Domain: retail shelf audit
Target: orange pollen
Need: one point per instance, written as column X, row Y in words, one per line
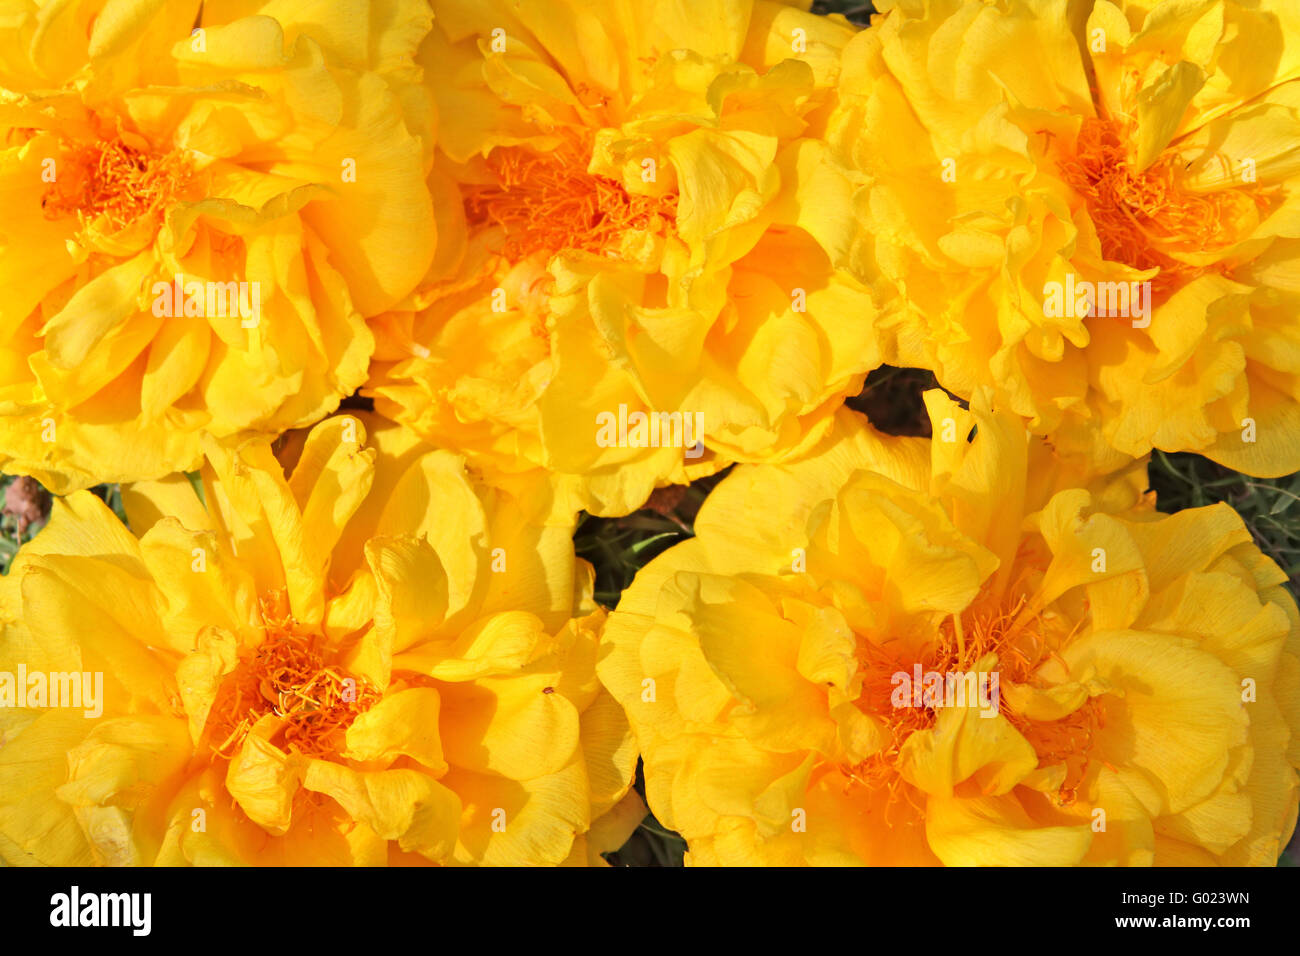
column 1142, row 217
column 549, row 202
column 1067, row 741
column 287, row 676
column 117, row 180
column 1022, row 642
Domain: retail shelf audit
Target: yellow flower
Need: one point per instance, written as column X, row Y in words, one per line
column 910, row 652
column 1093, row 214
column 647, row 223
column 371, row 660
column 197, row 224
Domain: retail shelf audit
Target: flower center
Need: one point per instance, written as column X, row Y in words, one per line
column 1021, row 640
column 288, row 676
column 548, row 202
column 119, row 177
column 1146, row 218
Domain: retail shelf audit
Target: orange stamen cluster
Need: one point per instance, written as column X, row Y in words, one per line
column 1141, row 217
column 548, row 202
column 1068, row 741
column 287, row 676
column 118, row 178
column 1021, row 641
